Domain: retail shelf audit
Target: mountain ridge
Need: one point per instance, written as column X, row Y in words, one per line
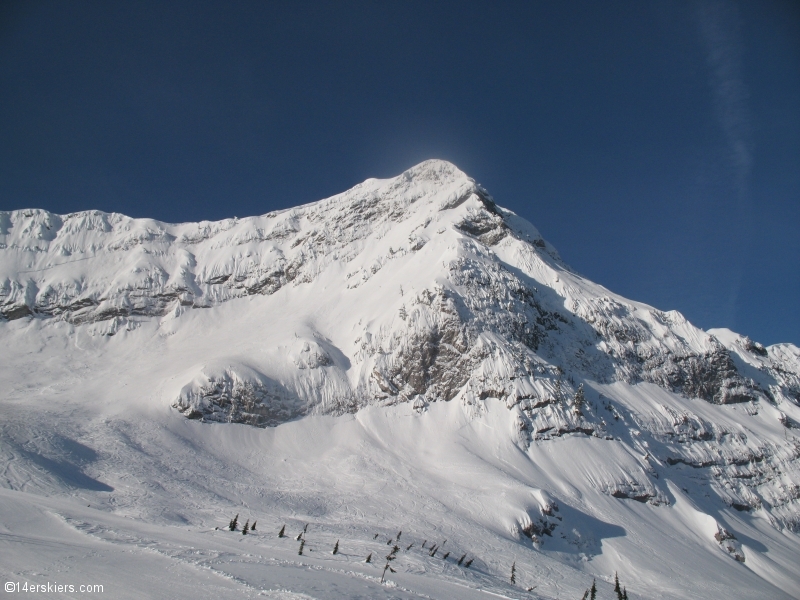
column 416, row 295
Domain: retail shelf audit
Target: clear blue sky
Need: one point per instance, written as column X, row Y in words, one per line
column 656, row 144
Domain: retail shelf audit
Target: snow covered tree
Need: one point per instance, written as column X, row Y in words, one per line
column 617, row 589
column 557, row 391
column 514, row 573
column 580, row 400
column 246, row 527
column 446, row 554
column 369, row 558
column 593, row 591
column 624, row 594
column 300, row 551
column 253, row 526
column 336, row 547
column 234, row 520
column 468, row 563
column 281, row 532
column 460, row 560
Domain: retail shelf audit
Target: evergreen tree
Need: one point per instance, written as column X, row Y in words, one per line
column 399, row 533
column 302, row 543
column 624, row 594
column 468, row 563
column 235, row 520
column 281, row 532
column 617, row 589
column 387, row 568
column 460, row 560
column 253, row 526
column 409, row 547
column 336, row 547
column 585, row 595
column 580, row 399
column 246, row 527
column 514, row 573
column 369, row 558
column 593, row 591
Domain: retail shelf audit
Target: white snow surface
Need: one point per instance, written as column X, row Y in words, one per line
column 404, row 357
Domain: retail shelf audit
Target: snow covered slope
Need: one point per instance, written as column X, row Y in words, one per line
column 406, row 355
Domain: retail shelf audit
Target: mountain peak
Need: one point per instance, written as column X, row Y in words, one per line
column 436, row 170
column 446, row 324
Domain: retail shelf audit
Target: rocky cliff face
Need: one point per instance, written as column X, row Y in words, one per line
column 421, row 289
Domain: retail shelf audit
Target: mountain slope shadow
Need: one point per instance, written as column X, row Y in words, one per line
column 65, row 471
column 577, row 532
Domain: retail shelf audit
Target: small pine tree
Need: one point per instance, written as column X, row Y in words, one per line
column 300, row 551
column 580, row 399
column 246, row 527
column 434, row 548
column 336, row 547
column 585, row 595
column 446, row 554
column 514, row 573
column 281, row 532
column 299, row 536
column 399, row 533
column 624, row 594
column 375, row 537
column 395, row 549
column 253, row 526
column 387, row 568
column 409, row 547
column 468, row 563
column 369, row 558
column 460, row 560
column 617, row 589
column 233, row 522
column 593, row 591
column 424, row 542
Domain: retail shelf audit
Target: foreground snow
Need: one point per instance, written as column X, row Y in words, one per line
column 412, row 357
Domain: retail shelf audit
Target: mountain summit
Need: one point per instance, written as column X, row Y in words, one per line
column 440, row 320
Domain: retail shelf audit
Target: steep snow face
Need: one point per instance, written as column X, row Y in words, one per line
column 407, row 294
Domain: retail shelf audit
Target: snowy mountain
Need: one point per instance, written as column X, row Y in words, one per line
column 406, row 355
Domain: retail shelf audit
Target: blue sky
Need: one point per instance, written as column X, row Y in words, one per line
column 655, row 144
